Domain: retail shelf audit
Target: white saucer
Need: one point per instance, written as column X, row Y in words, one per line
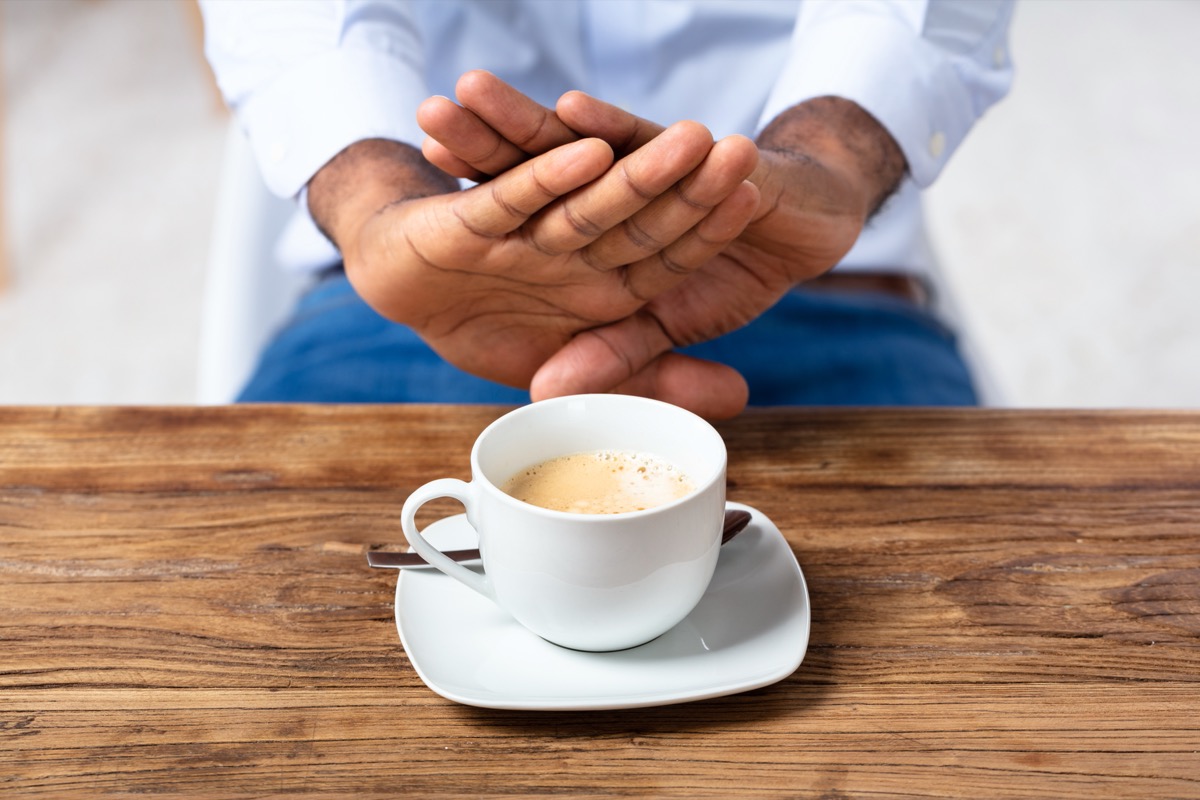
column 749, row 630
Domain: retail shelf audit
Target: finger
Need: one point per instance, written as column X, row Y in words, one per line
column 518, row 119
column 707, row 388
column 588, row 116
column 437, row 154
column 675, row 213
column 599, row 359
column 471, row 140
column 629, row 186
column 507, row 202
column 675, row 262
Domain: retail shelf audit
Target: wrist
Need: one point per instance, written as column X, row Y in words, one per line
column 840, row 137
column 365, row 178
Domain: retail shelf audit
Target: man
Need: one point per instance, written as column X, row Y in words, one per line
column 602, row 251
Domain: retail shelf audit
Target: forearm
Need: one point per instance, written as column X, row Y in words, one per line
column 363, row 179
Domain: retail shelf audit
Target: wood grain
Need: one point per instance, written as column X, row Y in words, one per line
column 1005, row 604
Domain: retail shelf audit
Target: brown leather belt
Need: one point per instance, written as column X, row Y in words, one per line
column 894, row 284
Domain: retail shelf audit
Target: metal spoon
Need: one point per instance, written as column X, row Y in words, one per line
column 735, row 521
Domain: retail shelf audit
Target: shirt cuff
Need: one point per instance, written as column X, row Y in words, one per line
column 349, row 95
column 881, row 64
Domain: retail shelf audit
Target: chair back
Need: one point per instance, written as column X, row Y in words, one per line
column 246, row 293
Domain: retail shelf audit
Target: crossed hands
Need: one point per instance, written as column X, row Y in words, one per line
column 596, row 243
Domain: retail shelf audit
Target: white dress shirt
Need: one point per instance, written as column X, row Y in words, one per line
column 307, row 78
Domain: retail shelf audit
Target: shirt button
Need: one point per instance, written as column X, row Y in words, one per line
column 276, row 152
column 999, row 55
column 937, row 144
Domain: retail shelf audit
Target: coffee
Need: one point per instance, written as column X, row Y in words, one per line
column 602, row 482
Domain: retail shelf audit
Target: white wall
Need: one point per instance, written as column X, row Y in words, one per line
column 1070, row 220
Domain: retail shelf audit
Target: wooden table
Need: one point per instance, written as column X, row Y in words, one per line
column 1005, row 604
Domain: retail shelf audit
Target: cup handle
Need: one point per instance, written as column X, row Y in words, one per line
column 465, row 494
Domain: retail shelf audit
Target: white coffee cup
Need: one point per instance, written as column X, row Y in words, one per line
column 588, row 581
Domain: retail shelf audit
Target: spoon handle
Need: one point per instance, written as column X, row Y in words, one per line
column 735, row 521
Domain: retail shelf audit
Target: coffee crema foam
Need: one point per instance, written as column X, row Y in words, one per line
column 601, row 482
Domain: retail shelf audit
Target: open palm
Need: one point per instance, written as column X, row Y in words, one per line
column 808, row 216
column 500, row 277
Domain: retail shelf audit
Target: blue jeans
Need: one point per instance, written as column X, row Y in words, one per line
column 812, row 348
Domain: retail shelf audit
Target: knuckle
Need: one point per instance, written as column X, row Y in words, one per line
column 681, row 192
column 497, row 195
column 640, row 238
column 631, row 181
column 580, row 223
column 672, row 265
column 530, row 239
column 589, row 257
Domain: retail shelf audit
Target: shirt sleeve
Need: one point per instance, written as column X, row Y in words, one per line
column 307, row 78
column 926, row 69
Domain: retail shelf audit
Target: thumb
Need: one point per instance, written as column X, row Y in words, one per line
column 708, row 388
column 633, row 356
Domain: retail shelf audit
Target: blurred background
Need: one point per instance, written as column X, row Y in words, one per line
column 1068, row 225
